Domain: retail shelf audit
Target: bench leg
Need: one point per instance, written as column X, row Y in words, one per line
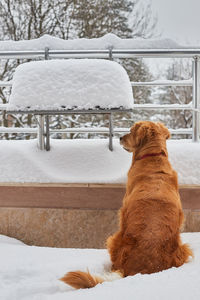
column 110, row 132
column 47, row 134
column 41, row 137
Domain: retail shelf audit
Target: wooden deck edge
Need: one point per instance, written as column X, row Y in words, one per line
column 78, row 196
column 92, row 185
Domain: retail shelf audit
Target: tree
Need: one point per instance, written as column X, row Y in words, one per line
column 94, row 18
column 180, row 69
column 27, row 19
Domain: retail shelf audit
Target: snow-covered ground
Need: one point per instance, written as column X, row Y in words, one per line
column 82, row 83
column 86, row 161
column 32, row 273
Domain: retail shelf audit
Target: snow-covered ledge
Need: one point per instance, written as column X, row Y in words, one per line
column 86, row 162
column 83, row 174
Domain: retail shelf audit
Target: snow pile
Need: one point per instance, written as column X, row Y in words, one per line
column 8, row 240
column 105, row 42
column 79, row 83
column 33, row 272
column 86, row 161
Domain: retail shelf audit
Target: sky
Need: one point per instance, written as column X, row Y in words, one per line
column 178, row 19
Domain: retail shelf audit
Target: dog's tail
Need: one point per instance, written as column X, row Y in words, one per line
column 84, row 280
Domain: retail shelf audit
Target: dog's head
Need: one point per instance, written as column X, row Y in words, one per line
column 143, row 132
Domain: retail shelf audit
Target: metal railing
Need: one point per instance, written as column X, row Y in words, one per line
column 194, row 54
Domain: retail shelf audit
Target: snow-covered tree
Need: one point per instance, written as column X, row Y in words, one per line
column 27, row 19
column 179, row 70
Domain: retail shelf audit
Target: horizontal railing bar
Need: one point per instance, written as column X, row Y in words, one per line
column 115, row 130
column 118, row 53
column 17, row 54
column 163, row 107
column 163, row 83
column 5, row 83
column 83, row 130
column 3, row 107
column 181, row 131
column 86, row 130
column 17, row 130
column 155, row 53
column 135, row 83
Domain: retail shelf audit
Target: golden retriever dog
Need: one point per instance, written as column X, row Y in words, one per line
column 148, row 240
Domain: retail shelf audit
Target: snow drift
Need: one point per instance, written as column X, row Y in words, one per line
column 86, row 161
column 29, row 272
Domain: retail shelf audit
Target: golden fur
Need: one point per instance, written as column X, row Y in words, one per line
column 81, row 280
column 148, row 239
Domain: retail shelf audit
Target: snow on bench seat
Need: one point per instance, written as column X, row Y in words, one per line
column 33, row 273
column 70, row 84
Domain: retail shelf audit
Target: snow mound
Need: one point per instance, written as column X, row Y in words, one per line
column 33, row 273
column 107, row 41
column 86, row 161
column 73, row 83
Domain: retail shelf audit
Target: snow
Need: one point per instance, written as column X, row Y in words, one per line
column 105, row 42
column 86, row 161
column 8, row 240
column 80, row 83
column 29, row 272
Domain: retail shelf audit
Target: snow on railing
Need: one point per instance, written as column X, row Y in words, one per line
column 105, row 42
column 110, row 47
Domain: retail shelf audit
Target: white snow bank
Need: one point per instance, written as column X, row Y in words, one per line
column 8, row 240
column 33, row 272
column 86, row 161
column 105, row 42
column 80, row 83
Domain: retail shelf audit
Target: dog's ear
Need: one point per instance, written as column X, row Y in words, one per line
column 164, row 131
column 139, row 133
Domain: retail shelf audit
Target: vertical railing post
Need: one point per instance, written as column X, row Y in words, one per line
column 41, row 139
column 110, row 132
column 110, row 115
column 46, row 133
column 46, row 53
column 110, row 53
column 196, row 98
column 47, row 146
